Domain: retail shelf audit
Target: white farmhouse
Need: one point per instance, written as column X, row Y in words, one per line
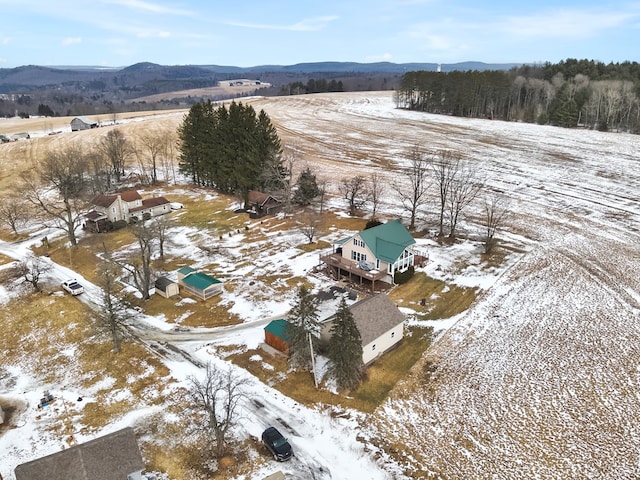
column 126, row 206
column 380, row 323
column 373, row 254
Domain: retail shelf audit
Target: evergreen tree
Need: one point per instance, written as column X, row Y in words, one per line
column 228, row 148
column 302, row 323
column 345, row 349
column 269, row 151
column 307, row 188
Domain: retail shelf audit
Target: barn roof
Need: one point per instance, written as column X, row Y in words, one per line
column 111, row 457
column 86, row 120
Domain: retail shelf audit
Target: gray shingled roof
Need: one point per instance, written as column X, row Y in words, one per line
column 374, row 316
column 111, row 457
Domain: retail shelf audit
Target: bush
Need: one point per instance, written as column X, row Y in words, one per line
column 118, row 224
column 372, row 223
column 403, row 277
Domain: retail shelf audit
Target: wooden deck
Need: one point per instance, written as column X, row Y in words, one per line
column 344, row 266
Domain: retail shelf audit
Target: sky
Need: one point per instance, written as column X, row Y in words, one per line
column 250, row 32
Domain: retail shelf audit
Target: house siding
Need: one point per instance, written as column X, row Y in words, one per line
column 355, row 247
column 382, row 344
column 129, row 205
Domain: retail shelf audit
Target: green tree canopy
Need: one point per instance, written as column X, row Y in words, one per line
column 345, row 349
column 307, row 188
column 302, row 326
column 229, row 149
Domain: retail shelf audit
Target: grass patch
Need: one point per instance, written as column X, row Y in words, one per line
column 440, row 299
column 133, row 376
column 210, row 213
column 5, row 260
column 312, row 247
column 383, row 375
column 380, row 380
column 193, row 312
column 47, row 324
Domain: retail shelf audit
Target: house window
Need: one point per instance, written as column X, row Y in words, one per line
column 373, row 348
column 357, row 256
column 393, row 334
column 377, row 264
column 358, row 242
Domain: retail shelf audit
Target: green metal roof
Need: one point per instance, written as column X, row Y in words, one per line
column 387, row 241
column 186, row 270
column 200, row 280
column 277, row 328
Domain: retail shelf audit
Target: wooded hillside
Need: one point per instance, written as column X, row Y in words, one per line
column 572, row 93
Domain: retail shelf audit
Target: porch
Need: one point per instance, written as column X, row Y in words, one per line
column 343, row 266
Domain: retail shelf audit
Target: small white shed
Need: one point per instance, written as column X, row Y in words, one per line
column 166, row 287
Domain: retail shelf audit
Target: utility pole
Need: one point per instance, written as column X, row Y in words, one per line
column 313, row 361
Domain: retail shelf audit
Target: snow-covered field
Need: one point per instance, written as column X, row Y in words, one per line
column 539, row 379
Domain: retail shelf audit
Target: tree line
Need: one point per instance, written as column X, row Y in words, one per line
column 313, row 85
column 571, row 93
column 232, row 149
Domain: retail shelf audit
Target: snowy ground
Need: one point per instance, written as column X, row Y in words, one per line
column 540, row 378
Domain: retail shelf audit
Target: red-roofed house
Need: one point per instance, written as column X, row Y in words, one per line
column 126, row 206
column 263, row 203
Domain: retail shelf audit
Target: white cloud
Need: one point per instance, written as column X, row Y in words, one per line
column 148, row 7
column 306, row 25
column 153, row 34
column 71, row 41
column 565, row 23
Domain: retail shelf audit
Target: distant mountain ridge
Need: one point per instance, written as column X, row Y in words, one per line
column 37, row 75
column 71, row 90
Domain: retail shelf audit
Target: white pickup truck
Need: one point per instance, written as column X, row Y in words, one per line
column 73, row 287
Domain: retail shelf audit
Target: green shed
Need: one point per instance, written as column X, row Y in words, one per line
column 275, row 336
column 198, row 283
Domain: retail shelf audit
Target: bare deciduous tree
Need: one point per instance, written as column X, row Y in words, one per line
column 153, row 145
column 278, row 176
column 218, row 396
column 113, row 315
column 115, row 147
column 413, row 197
column 139, row 264
column 310, row 224
column 100, row 173
column 464, row 188
column 13, row 212
column 376, row 192
column 59, row 192
column 323, row 185
column 354, row 191
column 495, row 213
column 444, row 170
column 31, row 269
column 168, row 154
column 161, row 226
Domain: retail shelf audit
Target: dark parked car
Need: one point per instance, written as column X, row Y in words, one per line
column 277, row 444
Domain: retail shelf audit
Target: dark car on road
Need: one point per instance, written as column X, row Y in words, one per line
column 277, row 444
